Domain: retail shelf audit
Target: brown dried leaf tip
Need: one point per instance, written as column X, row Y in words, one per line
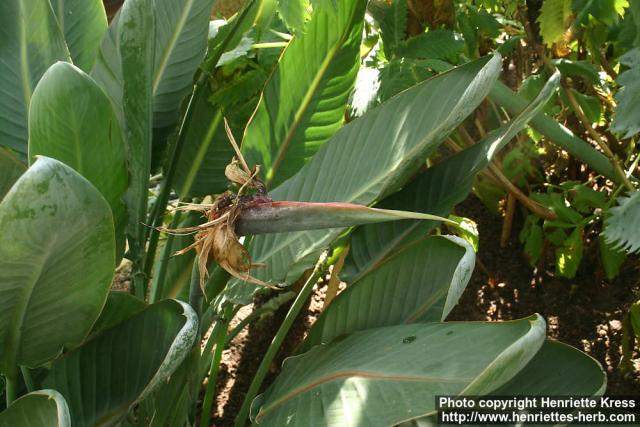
column 216, row 238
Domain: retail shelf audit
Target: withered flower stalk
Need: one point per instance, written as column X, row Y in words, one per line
column 216, row 238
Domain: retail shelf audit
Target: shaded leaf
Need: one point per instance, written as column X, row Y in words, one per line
column 612, row 259
column 83, row 23
column 11, row 168
column 421, row 283
column 42, row 408
column 180, row 44
column 136, row 48
column 104, row 377
column 31, row 42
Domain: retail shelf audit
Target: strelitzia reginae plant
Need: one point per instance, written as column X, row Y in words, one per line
column 95, row 108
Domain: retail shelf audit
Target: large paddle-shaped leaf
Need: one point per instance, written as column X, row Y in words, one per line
column 181, row 41
column 57, row 254
column 435, row 191
column 107, row 70
column 383, row 376
column 71, row 119
column 31, row 42
column 136, row 48
column 179, row 44
column 83, row 23
column 368, row 158
column 42, row 408
column 105, row 376
column 305, row 98
column 11, row 168
column 421, row 283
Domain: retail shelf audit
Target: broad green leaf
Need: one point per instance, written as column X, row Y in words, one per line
column 612, row 259
column 401, row 132
column 180, row 44
column 42, row 408
column 57, row 254
column 173, row 52
column 383, row 376
column 83, row 23
column 294, row 13
column 206, row 150
column 11, row 168
column 392, row 18
column 104, row 377
column 31, row 42
column 107, row 70
column 560, row 370
column 553, row 20
column 278, row 217
column 71, row 120
column 435, row 191
column 626, row 119
column 136, row 48
column 622, row 228
column 304, row 100
column 421, row 283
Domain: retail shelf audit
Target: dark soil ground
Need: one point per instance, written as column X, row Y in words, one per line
column 586, row 312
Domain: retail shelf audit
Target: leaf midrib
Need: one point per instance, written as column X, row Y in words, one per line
column 163, row 64
column 359, row 374
column 22, row 304
column 306, row 101
column 24, row 57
